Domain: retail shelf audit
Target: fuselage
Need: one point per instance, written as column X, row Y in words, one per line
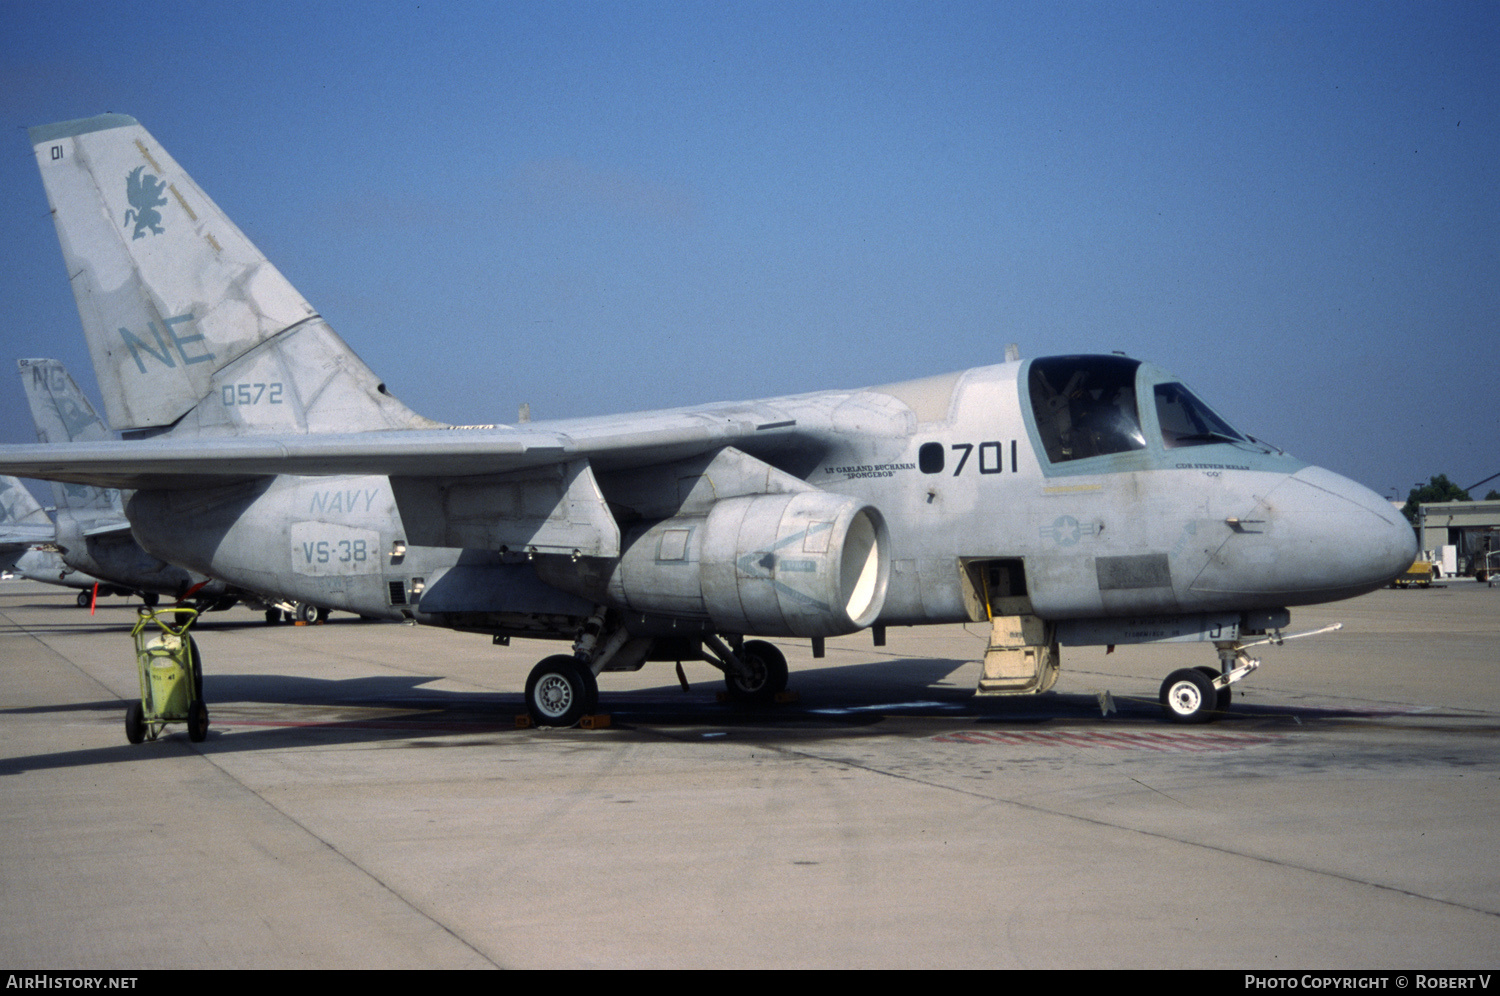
column 1070, row 488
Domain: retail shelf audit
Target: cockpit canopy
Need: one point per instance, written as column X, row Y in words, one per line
column 1088, row 406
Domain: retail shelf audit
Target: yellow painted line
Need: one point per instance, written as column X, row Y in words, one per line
column 1072, row 489
column 173, row 188
column 142, row 146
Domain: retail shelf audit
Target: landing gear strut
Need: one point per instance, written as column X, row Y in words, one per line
column 1202, row 694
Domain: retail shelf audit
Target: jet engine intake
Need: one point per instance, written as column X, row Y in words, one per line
column 804, row 564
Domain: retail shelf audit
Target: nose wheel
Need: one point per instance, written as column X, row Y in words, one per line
column 1189, row 696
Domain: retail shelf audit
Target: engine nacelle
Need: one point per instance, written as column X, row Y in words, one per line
column 809, row 563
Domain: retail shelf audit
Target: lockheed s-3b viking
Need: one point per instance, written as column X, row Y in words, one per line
column 1069, row 499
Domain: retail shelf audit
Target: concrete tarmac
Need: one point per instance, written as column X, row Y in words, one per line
column 365, row 800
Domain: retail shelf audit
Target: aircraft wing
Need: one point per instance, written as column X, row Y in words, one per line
column 166, row 463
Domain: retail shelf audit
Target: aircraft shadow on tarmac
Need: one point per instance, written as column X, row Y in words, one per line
column 893, row 698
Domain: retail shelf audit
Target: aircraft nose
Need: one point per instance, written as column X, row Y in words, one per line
column 1315, row 537
column 1366, row 541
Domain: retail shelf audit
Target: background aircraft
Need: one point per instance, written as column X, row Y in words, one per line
column 1069, row 500
column 93, row 543
column 23, row 522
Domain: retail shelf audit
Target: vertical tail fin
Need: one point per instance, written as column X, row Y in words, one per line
column 22, row 522
column 62, row 414
column 18, row 507
column 188, row 325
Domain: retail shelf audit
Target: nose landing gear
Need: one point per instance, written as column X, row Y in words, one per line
column 1202, row 694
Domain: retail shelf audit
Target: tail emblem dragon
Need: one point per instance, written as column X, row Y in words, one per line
column 145, row 196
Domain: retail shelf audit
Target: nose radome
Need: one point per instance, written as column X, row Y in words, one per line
column 1315, row 537
column 1364, row 542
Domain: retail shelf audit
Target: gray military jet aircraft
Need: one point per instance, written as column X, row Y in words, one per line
column 28, row 545
column 1069, row 499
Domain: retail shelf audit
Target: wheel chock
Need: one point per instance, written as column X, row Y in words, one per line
column 597, row 722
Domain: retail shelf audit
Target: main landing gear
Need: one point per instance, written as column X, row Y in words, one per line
column 754, row 674
column 560, row 691
column 564, row 689
column 1202, row 694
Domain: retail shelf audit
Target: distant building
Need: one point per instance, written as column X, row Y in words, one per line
column 1471, row 526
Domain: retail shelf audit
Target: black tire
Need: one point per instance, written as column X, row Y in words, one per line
column 197, row 722
column 135, row 722
column 769, row 679
column 1188, row 696
column 85, row 598
column 321, row 616
column 560, row 691
column 150, row 599
column 196, row 666
column 1224, row 696
column 304, row 612
column 273, row 617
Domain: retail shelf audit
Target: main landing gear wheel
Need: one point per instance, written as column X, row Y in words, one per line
column 85, row 598
column 768, row 678
column 560, row 691
column 1224, row 696
column 1189, row 696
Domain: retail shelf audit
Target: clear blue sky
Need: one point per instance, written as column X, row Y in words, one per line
column 616, row 206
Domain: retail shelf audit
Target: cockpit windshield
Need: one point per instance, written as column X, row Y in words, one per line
column 1085, row 406
column 1186, row 421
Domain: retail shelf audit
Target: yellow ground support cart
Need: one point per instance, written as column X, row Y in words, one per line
column 171, row 676
column 1418, row 575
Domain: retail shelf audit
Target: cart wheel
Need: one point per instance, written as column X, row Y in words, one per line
column 135, row 722
column 197, row 668
column 197, row 721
